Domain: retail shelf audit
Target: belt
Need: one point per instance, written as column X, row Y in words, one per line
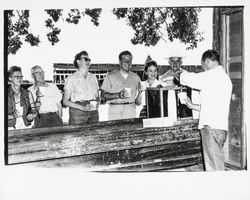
column 122, row 103
column 46, row 114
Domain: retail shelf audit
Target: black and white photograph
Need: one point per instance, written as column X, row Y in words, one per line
column 124, row 100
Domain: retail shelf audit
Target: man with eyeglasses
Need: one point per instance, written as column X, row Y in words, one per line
column 81, row 92
column 48, row 100
column 215, row 89
column 121, row 88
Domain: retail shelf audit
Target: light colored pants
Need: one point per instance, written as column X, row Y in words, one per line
column 212, row 143
column 125, row 111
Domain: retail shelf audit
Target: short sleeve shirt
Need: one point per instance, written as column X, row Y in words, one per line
column 80, row 88
column 114, row 82
column 52, row 96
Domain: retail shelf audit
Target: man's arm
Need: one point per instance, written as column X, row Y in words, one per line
column 191, row 105
column 59, row 106
column 123, row 94
column 69, row 103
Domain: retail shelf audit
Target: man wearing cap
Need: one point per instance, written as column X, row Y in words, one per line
column 121, row 89
column 48, row 100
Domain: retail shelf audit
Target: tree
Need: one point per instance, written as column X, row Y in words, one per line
column 149, row 24
column 18, row 26
column 152, row 24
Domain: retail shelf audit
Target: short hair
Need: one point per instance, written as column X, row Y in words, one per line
column 14, row 69
column 35, row 67
column 78, row 57
column 149, row 63
column 212, row 55
column 124, row 53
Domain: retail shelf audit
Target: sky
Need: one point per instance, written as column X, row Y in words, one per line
column 103, row 43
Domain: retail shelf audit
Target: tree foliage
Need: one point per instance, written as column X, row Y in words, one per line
column 149, row 25
column 18, row 31
column 18, row 26
column 152, row 24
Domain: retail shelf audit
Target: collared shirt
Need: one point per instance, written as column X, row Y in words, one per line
column 52, row 96
column 215, row 95
column 155, row 84
column 80, row 88
column 114, row 82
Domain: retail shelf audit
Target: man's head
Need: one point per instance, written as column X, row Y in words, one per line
column 175, row 63
column 175, row 59
column 37, row 74
column 210, row 59
column 82, row 59
column 15, row 75
column 125, row 60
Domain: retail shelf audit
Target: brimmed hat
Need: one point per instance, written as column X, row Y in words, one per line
column 175, row 53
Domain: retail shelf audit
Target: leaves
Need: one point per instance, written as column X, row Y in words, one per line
column 94, row 14
column 152, row 24
column 18, row 30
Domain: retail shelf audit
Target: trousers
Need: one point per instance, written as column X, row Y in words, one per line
column 77, row 116
column 124, row 111
column 47, row 120
column 213, row 141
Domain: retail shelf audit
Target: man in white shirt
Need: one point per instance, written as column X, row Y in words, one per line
column 48, row 100
column 215, row 94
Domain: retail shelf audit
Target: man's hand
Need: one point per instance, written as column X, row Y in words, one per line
column 124, row 94
column 31, row 116
column 177, row 74
column 39, row 92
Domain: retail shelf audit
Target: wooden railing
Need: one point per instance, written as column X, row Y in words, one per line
column 122, row 145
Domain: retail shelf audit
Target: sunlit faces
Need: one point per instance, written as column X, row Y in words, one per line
column 126, row 62
column 84, row 61
column 175, row 63
column 16, row 78
column 38, row 74
column 152, row 72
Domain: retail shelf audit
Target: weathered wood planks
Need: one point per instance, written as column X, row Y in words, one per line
column 108, row 146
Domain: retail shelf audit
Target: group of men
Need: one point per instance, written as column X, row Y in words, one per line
column 81, row 89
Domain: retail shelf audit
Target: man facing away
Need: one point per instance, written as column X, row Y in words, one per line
column 121, row 88
column 215, row 94
column 48, row 100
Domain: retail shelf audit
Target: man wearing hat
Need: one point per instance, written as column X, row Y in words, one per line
column 175, row 62
column 168, row 79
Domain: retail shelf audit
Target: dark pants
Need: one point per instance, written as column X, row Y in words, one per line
column 77, row 116
column 47, row 120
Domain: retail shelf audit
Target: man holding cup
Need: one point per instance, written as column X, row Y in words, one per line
column 48, row 100
column 121, row 89
column 215, row 91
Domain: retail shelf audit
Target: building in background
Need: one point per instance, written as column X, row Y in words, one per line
column 63, row 70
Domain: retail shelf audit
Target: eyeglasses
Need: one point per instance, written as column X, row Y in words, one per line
column 126, row 60
column 86, row 59
column 18, row 77
column 39, row 72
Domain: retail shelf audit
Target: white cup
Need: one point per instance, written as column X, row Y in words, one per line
column 93, row 103
column 128, row 90
column 183, row 97
column 143, row 85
